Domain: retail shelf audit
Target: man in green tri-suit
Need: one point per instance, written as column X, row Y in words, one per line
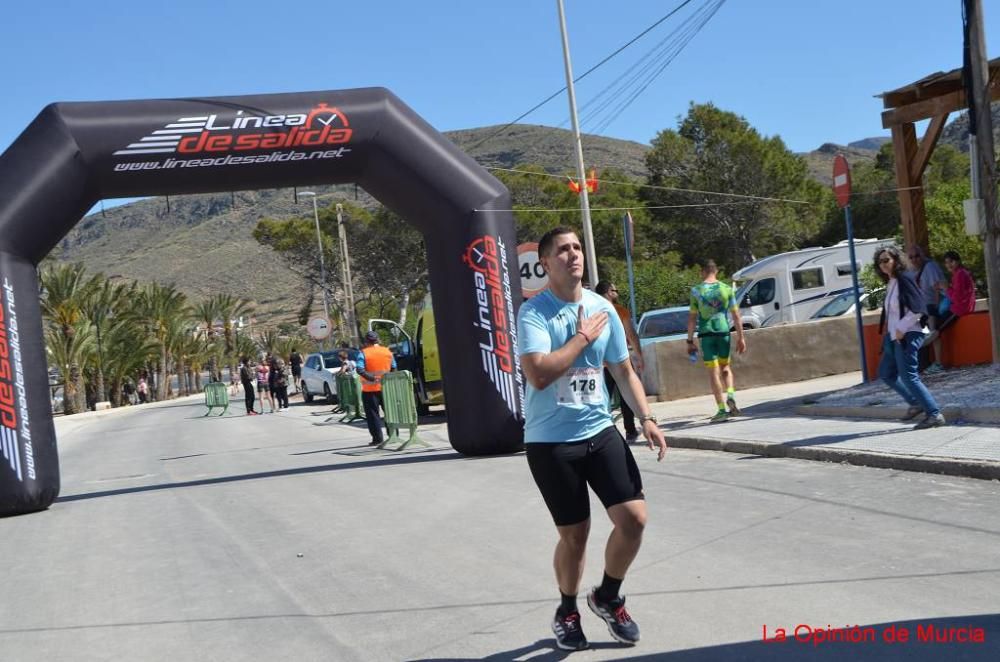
column 712, row 304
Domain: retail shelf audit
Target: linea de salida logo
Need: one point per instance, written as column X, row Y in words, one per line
column 15, row 431
column 217, row 134
column 487, row 257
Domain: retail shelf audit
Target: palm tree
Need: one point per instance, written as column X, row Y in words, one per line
column 268, row 341
column 198, row 356
column 67, row 352
column 231, row 308
column 246, row 346
column 128, row 349
column 162, row 307
column 99, row 305
column 64, row 289
column 207, row 311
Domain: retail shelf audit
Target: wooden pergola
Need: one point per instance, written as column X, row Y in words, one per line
column 933, row 97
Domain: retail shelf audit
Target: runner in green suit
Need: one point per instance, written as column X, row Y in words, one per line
column 712, row 304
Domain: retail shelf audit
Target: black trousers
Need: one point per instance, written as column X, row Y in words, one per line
column 372, row 400
column 281, row 395
column 248, row 395
column 628, row 418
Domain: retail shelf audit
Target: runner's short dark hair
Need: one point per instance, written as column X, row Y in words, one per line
column 545, row 243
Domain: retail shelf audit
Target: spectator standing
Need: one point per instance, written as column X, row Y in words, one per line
column 348, row 367
column 264, row 386
column 931, row 281
column 128, row 392
column 609, row 291
column 712, row 304
column 295, row 361
column 280, row 381
column 247, row 376
column 902, row 310
column 374, row 362
column 142, row 388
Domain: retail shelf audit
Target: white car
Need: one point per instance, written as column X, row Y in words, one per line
column 318, row 376
column 843, row 304
column 663, row 324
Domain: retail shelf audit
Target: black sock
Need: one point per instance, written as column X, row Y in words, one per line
column 608, row 590
column 568, row 605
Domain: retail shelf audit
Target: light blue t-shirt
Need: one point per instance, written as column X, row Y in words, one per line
column 544, row 324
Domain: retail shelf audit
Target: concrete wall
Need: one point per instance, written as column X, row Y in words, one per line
column 775, row 355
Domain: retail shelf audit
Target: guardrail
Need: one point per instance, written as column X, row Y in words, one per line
column 349, row 397
column 217, row 395
column 400, row 410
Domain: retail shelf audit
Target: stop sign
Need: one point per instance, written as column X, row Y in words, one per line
column 842, row 181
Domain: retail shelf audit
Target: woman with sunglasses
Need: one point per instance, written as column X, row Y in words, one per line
column 900, row 322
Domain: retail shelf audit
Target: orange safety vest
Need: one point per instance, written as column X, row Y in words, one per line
column 378, row 361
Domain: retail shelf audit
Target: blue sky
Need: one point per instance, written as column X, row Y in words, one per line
column 807, row 70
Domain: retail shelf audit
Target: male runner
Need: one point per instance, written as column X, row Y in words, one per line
column 566, row 336
column 710, row 301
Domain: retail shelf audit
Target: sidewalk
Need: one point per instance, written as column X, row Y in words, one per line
column 838, row 419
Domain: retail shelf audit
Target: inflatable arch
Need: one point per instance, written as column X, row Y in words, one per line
column 75, row 154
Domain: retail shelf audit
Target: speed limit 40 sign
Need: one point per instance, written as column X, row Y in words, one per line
column 533, row 277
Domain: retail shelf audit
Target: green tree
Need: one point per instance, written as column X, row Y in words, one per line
column 161, row 309
column 65, row 290
column 715, row 150
column 207, row 312
column 946, row 227
column 126, row 350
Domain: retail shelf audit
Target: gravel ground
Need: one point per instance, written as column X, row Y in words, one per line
column 971, row 387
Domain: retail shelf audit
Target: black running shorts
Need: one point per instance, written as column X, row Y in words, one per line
column 562, row 472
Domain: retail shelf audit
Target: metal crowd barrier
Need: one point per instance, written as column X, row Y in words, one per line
column 216, row 395
column 400, row 410
column 349, row 397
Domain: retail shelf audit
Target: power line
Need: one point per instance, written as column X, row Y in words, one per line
column 655, row 187
column 657, row 52
column 571, row 209
column 656, row 74
column 580, row 77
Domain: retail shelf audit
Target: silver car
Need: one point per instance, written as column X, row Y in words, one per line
column 318, row 376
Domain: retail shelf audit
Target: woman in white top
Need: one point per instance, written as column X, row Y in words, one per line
column 904, row 305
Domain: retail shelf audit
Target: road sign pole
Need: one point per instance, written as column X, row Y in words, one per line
column 857, row 292
column 842, row 191
column 629, row 229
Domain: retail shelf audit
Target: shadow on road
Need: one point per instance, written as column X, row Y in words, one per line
column 411, row 459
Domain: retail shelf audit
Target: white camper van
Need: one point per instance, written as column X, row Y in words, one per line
column 789, row 287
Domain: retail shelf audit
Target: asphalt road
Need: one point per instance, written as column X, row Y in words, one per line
column 178, row 537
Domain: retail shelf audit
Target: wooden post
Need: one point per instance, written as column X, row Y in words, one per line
column 911, row 192
column 986, row 165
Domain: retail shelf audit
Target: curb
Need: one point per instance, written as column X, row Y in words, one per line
column 952, row 413
column 950, row 467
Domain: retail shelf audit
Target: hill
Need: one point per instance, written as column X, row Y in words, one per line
column 820, row 161
column 203, row 243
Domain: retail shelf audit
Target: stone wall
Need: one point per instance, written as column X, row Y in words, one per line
column 775, row 355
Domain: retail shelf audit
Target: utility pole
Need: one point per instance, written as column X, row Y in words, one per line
column 322, row 264
column 348, row 283
column 588, row 232
column 985, row 161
